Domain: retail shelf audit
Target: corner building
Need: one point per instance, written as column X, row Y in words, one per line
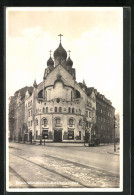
column 60, row 109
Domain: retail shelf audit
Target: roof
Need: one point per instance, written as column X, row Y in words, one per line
column 23, row 90
column 89, row 90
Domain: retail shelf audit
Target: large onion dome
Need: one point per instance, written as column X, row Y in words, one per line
column 60, row 52
column 69, row 62
column 50, row 62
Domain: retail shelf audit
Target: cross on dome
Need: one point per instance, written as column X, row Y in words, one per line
column 69, row 52
column 50, row 53
column 60, row 37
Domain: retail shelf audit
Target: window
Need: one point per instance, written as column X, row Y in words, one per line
column 90, row 114
column 57, row 120
column 43, row 110
column 79, row 135
column 36, row 122
column 80, row 122
column 55, row 109
column 86, row 113
column 45, row 122
column 71, row 95
column 31, row 123
column 69, row 109
column 60, row 109
column 45, row 134
column 72, row 110
column 71, row 121
column 46, row 109
column 29, row 113
column 70, row 135
column 46, row 95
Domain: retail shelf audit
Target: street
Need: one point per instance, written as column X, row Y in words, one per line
column 59, row 165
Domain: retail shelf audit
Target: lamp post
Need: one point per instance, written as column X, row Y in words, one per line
column 114, row 134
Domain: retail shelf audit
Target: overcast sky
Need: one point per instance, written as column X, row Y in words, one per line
column 94, row 36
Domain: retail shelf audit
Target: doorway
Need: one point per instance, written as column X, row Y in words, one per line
column 57, row 135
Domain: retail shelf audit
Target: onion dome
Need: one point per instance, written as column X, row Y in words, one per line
column 69, row 62
column 50, row 62
column 60, row 52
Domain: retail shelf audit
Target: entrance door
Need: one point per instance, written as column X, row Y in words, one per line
column 57, row 135
column 87, row 135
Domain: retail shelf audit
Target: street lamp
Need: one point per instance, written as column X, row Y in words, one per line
column 115, row 126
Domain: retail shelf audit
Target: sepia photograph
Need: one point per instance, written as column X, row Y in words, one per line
column 64, row 99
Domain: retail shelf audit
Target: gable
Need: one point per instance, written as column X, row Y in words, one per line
column 65, row 76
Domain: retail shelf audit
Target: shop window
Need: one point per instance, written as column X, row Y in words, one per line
column 45, row 134
column 55, row 109
column 71, row 135
column 60, row 109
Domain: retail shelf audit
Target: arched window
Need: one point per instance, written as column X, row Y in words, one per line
column 43, row 110
column 72, row 110
column 71, row 121
column 46, row 109
column 57, row 121
column 45, row 122
column 55, row 109
column 80, row 122
column 69, row 109
column 71, row 96
column 60, row 109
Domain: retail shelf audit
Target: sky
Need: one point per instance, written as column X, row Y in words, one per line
column 94, row 36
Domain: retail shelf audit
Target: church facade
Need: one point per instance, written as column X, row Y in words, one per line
column 59, row 109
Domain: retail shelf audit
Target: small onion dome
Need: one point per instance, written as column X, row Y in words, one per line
column 69, row 62
column 60, row 52
column 50, row 62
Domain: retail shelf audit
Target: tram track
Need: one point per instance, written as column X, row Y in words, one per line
column 80, row 165
column 50, row 170
column 20, row 177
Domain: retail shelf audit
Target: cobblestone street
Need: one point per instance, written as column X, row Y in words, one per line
column 62, row 166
